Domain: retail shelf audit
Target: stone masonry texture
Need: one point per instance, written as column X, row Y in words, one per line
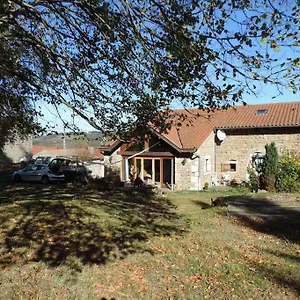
column 240, row 147
column 14, row 152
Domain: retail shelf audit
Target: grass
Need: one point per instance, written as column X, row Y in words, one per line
column 59, row 242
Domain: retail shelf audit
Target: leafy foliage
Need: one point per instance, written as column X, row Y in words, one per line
column 120, row 64
column 288, row 174
column 18, row 117
column 253, row 179
column 270, row 167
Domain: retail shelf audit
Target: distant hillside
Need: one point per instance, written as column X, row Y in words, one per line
column 91, row 139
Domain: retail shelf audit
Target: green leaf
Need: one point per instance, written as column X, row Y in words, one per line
column 276, row 49
column 264, row 16
column 263, row 41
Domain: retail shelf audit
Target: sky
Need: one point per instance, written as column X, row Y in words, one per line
column 265, row 96
column 51, row 116
column 54, row 120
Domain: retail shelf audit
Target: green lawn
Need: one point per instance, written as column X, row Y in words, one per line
column 59, row 242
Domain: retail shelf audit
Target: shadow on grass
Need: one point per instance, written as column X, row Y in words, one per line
column 267, row 216
column 202, row 204
column 6, row 172
column 61, row 225
column 281, row 275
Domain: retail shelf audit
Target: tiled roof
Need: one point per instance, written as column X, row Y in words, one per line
column 192, row 131
column 37, row 148
column 73, row 152
column 277, row 115
column 199, row 124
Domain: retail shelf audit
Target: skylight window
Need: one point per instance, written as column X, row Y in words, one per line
column 261, row 112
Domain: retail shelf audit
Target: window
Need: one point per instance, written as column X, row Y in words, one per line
column 206, row 164
column 230, row 167
column 261, row 112
column 257, row 161
column 225, row 167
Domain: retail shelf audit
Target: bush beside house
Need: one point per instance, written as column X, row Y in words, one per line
column 276, row 173
column 288, row 178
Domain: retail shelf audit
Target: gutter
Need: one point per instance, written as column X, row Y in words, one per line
column 258, row 127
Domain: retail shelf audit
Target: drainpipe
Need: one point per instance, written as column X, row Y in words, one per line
column 215, row 162
column 172, row 174
column 199, row 174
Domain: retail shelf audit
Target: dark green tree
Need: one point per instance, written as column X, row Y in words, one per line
column 120, row 64
column 270, row 167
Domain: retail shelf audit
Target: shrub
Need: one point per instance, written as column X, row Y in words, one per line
column 253, row 179
column 206, row 186
column 288, row 174
column 270, row 167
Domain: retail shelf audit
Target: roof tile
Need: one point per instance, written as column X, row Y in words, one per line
column 193, row 134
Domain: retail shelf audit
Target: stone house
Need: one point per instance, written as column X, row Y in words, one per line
column 211, row 148
column 16, row 152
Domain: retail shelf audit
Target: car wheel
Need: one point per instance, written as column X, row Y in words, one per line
column 17, row 178
column 45, row 179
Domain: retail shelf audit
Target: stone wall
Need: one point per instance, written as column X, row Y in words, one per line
column 96, row 168
column 14, row 152
column 183, row 173
column 207, row 160
column 238, row 148
column 241, row 145
column 189, row 175
column 113, row 162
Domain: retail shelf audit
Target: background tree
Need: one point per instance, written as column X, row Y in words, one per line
column 270, row 167
column 85, row 150
column 120, row 64
column 17, row 113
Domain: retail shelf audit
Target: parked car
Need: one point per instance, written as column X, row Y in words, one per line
column 73, row 170
column 38, row 172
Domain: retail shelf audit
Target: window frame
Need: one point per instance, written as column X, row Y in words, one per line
column 261, row 112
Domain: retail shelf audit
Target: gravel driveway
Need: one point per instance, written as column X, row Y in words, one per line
column 277, row 206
